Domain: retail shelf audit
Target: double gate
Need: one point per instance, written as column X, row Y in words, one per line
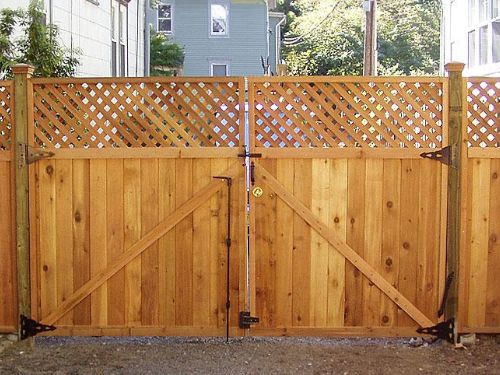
column 334, row 224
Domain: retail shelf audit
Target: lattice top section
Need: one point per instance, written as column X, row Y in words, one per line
column 6, row 115
column 356, row 112
column 483, row 112
column 137, row 112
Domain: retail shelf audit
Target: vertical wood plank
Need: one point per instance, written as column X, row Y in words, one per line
column 81, row 237
column 493, row 292
column 355, row 239
column 428, row 238
column 218, row 268
column 115, row 239
column 480, row 213
column 201, row 247
column 284, row 248
column 337, row 220
column 167, row 243
column 98, row 240
column 301, row 278
column 319, row 246
column 265, row 239
column 132, row 233
column 184, row 246
column 64, row 232
column 408, row 248
column 7, row 292
column 373, row 238
column 390, row 235
column 48, row 257
column 150, row 302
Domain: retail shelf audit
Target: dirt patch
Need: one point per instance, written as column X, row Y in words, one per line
column 155, row 355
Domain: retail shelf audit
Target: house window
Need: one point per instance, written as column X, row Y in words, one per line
column 165, row 18
column 119, row 22
column 219, row 69
column 496, row 41
column 483, row 34
column 219, row 18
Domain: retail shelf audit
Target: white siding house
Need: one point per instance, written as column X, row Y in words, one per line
column 108, row 33
column 471, row 34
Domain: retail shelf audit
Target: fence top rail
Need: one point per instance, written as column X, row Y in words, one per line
column 121, row 80
column 483, row 79
column 341, row 79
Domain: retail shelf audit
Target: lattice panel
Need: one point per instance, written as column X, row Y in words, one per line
column 98, row 114
column 6, row 115
column 483, row 112
column 315, row 113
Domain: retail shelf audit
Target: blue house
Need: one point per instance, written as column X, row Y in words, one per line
column 221, row 37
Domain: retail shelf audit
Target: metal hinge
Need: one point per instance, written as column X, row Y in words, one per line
column 443, row 155
column 246, row 320
column 29, row 155
column 30, row 327
column 247, row 154
column 443, row 330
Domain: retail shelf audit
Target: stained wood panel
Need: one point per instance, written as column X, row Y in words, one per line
column 91, row 211
column 361, row 201
column 8, row 301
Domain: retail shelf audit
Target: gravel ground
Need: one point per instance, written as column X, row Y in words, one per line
column 155, row 355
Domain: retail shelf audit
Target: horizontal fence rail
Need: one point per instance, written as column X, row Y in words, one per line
column 103, row 113
column 6, row 115
column 333, row 112
column 483, row 111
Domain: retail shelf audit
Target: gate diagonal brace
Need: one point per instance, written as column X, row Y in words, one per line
column 443, row 330
column 30, row 327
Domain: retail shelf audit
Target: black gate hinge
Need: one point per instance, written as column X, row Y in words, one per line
column 443, row 155
column 30, row 327
column 246, row 320
column 29, row 155
column 443, row 330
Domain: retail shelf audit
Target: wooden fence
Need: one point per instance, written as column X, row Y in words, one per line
column 8, row 304
column 480, row 308
column 347, row 235
column 350, row 231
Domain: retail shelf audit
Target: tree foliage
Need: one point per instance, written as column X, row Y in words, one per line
column 164, row 55
column 37, row 44
column 408, row 37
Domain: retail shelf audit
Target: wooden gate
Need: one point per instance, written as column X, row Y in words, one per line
column 128, row 224
column 349, row 232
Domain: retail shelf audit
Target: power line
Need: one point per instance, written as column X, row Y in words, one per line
column 299, row 39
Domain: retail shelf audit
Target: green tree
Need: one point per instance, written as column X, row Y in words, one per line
column 331, row 43
column 38, row 44
column 164, row 56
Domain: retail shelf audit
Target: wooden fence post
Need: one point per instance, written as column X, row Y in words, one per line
column 455, row 229
column 22, row 115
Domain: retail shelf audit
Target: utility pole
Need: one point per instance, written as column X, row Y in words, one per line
column 370, row 48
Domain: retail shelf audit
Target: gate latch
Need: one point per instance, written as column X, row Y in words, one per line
column 30, row 327
column 29, row 155
column 246, row 320
column 443, row 330
column 444, row 155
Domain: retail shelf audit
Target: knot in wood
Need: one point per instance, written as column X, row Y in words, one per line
column 49, row 170
column 385, row 319
column 406, row 245
column 388, row 262
column 336, row 220
column 78, row 217
column 390, row 204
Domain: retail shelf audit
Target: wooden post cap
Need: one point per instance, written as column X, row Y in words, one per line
column 23, row 69
column 454, row 67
